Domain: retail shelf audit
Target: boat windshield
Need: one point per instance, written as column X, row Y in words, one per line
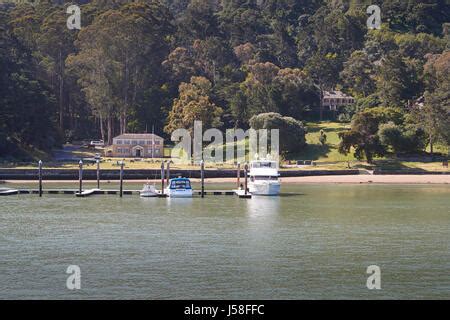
column 264, row 164
column 267, row 178
column 180, row 184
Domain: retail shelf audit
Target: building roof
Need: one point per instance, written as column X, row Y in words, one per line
column 335, row 95
column 137, row 136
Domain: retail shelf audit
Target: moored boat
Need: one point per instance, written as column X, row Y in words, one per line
column 179, row 188
column 148, row 191
column 264, row 178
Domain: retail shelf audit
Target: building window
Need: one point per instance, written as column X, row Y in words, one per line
column 157, row 143
column 126, row 141
column 133, row 142
column 141, row 142
column 157, row 151
column 119, row 142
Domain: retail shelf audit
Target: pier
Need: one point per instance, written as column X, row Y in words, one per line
column 91, row 192
column 165, row 178
column 8, row 192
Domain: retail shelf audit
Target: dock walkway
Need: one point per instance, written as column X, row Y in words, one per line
column 90, row 192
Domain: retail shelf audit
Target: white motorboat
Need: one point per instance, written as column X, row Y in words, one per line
column 179, row 188
column 149, row 190
column 264, row 178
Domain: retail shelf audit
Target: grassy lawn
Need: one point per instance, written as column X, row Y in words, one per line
column 326, row 157
column 327, row 153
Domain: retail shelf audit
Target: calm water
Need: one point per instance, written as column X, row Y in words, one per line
column 314, row 242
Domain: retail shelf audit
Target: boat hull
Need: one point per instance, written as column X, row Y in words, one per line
column 148, row 194
column 265, row 189
column 148, row 191
column 179, row 193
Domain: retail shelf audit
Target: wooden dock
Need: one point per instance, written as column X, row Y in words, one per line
column 80, row 192
column 8, row 192
column 242, row 194
column 91, row 192
column 86, row 193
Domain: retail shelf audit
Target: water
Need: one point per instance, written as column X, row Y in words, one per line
column 314, row 242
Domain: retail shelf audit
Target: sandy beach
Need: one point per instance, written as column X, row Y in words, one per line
column 335, row 179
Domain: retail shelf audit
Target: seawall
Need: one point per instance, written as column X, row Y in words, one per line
column 134, row 174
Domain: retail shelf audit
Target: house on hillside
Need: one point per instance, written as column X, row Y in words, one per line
column 137, row 145
column 335, row 99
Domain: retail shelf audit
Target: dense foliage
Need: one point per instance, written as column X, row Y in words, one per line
column 291, row 131
column 140, row 64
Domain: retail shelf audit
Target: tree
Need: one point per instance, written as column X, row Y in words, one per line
column 181, row 65
column 396, row 80
column 433, row 116
column 241, row 21
column 257, row 88
column 118, row 55
column 55, row 43
column 198, row 21
column 271, row 89
column 363, row 136
column 292, row 132
column 358, row 75
column 193, row 104
column 27, row 109
column 323, row 70
column 400, row 139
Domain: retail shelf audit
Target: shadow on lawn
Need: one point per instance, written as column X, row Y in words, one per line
column 312, row 152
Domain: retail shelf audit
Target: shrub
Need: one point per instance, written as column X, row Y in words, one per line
column 401, row 140
column 292, row 132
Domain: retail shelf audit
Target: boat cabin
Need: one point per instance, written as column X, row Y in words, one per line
column 180, row 183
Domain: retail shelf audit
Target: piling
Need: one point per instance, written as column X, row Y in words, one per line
column 168, row 173
column 121, row 179
column 245, row 175
column 162, row 177
column 238, row 175
column 80, row 176
column 98, row 174
column 202, row 172
column 40, row 178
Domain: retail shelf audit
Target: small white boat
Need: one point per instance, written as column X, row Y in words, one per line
column 148, row 191
column 179, row 188
column 264, row 178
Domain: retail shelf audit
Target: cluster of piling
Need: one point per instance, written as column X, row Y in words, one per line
column 165, row 181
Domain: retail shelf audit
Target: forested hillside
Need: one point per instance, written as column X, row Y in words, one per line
column 135, row 65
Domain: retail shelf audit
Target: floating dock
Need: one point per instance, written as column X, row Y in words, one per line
column 8, row 192
column 86, row 193
column 242, row 194
column 90, row 192
column 165, row 178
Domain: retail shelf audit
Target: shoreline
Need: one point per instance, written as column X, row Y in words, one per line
column 332, row 179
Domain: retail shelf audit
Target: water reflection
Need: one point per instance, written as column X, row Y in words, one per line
column 263, row 207
column 178, row 202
